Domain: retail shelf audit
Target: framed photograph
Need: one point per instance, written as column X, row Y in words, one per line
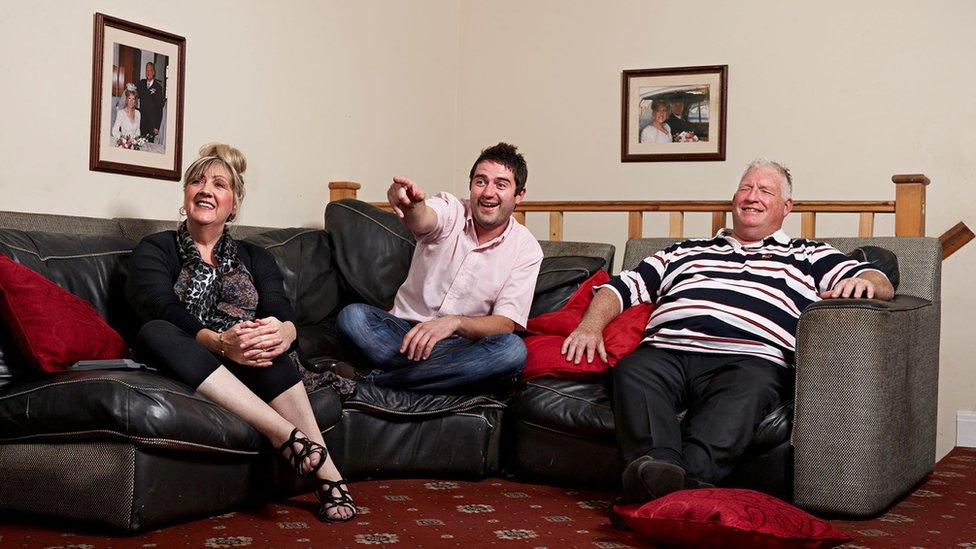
column 137, row 99
column 674, row 114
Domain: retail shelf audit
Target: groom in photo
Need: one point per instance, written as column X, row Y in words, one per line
column 151, row 101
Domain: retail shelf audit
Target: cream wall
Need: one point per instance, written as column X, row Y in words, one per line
column 845, row 93
column 311, row 91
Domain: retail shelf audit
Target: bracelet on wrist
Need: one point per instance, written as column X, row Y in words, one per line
column 220, row 344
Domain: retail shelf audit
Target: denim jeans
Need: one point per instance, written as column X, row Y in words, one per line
column 456, row 363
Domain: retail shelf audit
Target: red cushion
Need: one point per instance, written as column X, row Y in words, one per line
column 565, row 320
column 620, row 337
column 52, row 327
column 726, row 517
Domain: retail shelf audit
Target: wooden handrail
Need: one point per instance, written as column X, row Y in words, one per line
column 908, row 208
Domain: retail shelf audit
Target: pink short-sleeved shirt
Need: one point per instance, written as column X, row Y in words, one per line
column 451, row 274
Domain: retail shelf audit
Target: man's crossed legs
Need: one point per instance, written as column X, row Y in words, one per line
column 456, row 363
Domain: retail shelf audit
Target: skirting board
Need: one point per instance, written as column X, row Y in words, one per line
column 966, row 429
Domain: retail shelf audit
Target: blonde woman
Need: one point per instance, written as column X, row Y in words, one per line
column 217, row 318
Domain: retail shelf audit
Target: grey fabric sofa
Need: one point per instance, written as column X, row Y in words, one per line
column 863, row 429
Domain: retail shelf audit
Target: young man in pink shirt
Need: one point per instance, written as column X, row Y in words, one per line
column 469, row 288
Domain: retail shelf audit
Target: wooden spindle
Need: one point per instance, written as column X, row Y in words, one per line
column 718, row 222
column 635, row 224
column 808, row 224
column 676, row 225
column 556, row 226
column 520, row 217
column 865, row 227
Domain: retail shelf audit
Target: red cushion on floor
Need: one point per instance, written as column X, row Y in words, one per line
column 726, row 517
column 621, row 336
column 52, row 327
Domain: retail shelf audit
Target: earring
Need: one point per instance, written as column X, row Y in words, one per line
column 182, row 211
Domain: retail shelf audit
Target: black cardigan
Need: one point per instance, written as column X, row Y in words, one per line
column 155, row 265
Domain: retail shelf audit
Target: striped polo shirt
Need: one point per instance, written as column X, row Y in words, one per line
column 721, row 297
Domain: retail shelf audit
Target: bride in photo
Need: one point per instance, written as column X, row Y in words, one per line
column 127, row 117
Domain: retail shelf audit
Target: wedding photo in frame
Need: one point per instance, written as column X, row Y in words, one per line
column 674, row 114
column 137, row 99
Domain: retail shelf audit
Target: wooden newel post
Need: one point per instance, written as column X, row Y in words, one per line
column 342, row 189
column 910, row 204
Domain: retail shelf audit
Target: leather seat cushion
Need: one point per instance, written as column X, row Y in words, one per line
column 386, row 430
column 142, row 407
column 553, row 420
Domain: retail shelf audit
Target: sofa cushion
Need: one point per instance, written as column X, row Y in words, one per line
column 51, row 327
column 885, row 260
column 305, row 259
column 555, row 417
column 372, row 250
column 139, row 406
column 386, row 430
column 559, row 278
column 717, row 517
column 620, row 337
column 92, row 267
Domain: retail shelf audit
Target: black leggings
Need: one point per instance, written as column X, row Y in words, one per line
column 179, row 355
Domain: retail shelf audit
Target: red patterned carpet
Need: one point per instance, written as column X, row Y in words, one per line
column 439, row 513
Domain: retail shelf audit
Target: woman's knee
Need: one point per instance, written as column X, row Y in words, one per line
column 158, row 333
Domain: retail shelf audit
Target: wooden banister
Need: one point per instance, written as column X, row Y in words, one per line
column 955, row 238
column 908, row 208
column 910, row 204
column 343, row 189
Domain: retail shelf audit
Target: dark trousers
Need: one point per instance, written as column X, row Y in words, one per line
column 179, row 355
column 726, row 397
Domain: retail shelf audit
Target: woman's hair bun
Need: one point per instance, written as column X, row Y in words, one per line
column 229, row 155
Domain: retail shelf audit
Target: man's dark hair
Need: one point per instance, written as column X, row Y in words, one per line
column 508, row 156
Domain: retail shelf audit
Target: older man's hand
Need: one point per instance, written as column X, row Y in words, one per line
column 584, row 341
column 851, row 288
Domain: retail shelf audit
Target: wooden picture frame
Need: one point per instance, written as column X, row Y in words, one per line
column 698, row 132
column 133, row 61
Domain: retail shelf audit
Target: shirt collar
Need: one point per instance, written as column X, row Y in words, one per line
column 779, row 236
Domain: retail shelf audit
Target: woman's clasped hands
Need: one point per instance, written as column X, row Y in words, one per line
column 257, row 342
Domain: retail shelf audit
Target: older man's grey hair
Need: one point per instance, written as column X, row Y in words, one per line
column 786, row 180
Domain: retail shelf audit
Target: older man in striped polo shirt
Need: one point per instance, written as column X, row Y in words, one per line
column 721, row 339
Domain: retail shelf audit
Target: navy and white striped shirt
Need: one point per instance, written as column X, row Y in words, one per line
column 718, row 296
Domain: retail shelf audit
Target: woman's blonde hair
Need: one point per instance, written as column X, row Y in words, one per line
column 232, row 159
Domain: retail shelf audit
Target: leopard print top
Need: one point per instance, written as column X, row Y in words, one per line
column 220, row 296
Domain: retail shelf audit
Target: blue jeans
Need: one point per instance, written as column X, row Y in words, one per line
column 455, row 363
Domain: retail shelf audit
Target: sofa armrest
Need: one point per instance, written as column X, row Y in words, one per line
column 866, row 402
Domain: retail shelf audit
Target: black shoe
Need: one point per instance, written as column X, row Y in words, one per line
column 647, row 478
column 299, row 448
column 330, row 501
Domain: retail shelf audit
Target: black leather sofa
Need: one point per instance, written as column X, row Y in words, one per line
column 131, row 450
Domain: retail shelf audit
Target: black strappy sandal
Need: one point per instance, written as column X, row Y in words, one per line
column 306, row 449
column 330, row 502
